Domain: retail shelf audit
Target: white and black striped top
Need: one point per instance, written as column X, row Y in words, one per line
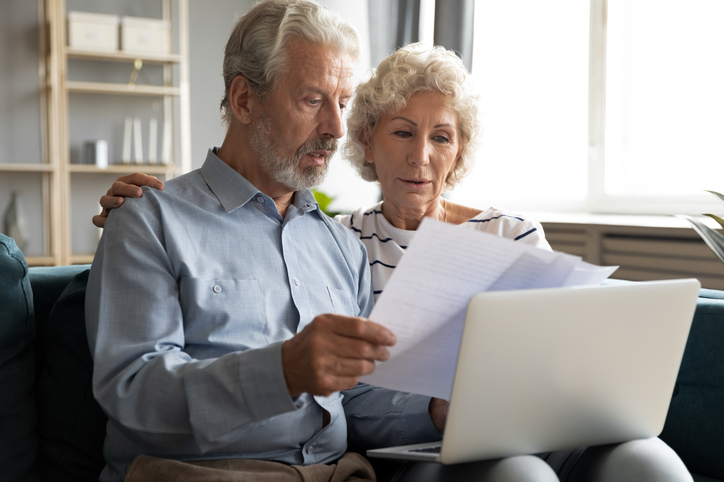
column 386, row 244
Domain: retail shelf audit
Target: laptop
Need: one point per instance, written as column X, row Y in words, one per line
column 550, row 369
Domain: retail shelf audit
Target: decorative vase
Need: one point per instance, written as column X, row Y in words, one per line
column 14, row 222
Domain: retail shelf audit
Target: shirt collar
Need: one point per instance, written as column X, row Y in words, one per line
column 233, row 190
column 304, row 200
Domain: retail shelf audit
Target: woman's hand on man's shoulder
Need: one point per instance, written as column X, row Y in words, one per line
column 123, row 187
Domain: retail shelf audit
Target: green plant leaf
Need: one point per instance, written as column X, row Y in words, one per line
column 717, row 219
column 324, row 201
column 720, row 196
column 714, row 240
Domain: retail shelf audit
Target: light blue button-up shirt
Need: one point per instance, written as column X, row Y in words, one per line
column 192, row 292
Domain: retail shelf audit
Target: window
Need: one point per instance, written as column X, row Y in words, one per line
column 612, row 106
column 664, row 116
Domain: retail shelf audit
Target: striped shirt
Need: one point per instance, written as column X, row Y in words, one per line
column 386, row 244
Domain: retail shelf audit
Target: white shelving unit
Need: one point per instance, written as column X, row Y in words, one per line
column 56, row 170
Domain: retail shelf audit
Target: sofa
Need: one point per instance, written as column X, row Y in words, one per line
column 51, row 428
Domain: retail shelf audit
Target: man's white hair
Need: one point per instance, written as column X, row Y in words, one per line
column 257, row 46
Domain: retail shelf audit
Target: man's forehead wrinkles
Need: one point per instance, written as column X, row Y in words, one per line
column 337, row 67
column 324, row 77
column 320, row 57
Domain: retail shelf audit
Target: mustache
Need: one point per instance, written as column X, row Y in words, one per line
column 319, row 144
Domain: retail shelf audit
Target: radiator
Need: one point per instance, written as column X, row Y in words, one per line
column 643, row 253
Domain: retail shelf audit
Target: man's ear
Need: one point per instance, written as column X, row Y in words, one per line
column 241, row 99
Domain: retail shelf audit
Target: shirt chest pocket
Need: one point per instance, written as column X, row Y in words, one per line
column 342, row 303
column 224, row 312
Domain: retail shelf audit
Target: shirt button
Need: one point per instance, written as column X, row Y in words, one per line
column 296, row 281
column 260, row 200
column 310, row 449
column 309, row 205
column 217, row 289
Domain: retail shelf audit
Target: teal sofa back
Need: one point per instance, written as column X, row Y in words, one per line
column 51, row 428
column 695, row 422
column 18, row 437
column 71, row 425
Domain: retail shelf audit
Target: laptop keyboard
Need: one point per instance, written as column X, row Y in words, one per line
column 429, row 450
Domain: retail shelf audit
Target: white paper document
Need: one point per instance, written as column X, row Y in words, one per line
column 425, row 301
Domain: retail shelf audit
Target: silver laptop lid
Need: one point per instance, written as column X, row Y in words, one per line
column 548, row 369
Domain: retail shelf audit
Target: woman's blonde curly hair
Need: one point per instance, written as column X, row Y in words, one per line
column 413, row 68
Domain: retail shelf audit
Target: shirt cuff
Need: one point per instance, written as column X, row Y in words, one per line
column 263, row 383
column 416, row 419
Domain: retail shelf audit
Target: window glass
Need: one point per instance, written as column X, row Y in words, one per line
column 530, row 63
column 664, row 97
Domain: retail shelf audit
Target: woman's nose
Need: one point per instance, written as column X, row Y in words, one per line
column 419, row 154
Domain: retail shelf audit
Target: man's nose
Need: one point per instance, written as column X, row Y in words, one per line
column 332, row 125
column 420, row 152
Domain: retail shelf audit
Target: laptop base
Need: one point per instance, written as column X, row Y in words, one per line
column 427, row 452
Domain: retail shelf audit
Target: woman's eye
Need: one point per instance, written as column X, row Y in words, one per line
column 441, row 139
column 403, row 134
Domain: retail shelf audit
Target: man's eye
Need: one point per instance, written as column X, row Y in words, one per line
column 314, row 101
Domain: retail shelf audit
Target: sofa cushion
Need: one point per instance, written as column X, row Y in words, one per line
column 703, row 478
column 695, row 423
column 18, row 440
column 71, row 424
column 48, row 282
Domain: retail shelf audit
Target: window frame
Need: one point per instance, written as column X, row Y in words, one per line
column 597, row 199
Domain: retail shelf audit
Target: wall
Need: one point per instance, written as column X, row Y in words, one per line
column 209, row 28
column 20, row 114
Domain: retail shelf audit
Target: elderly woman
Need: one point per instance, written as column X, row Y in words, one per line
column 412, row 128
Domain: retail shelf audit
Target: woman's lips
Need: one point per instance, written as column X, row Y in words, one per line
column 416, row 183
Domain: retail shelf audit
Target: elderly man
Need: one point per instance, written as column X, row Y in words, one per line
column 225, row 313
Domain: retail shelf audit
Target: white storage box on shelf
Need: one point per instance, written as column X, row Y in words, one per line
column 93, row 31
column 145, row 35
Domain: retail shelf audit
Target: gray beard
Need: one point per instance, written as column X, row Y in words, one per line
column 285, row 170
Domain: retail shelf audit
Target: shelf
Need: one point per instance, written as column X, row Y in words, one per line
column 18, row 167
column 126, row 89
column 71, row 76
column 40, row 260
column 124, row 168
column 81, row 258
column 120, row 56
column 620, row 220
